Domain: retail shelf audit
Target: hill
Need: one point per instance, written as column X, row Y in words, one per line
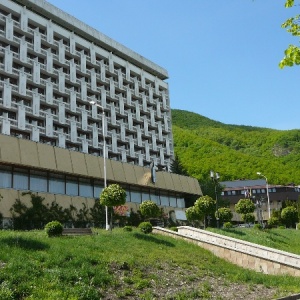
column 125, row 265
column 235, row 151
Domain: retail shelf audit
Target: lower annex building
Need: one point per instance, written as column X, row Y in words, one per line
column 70, row 96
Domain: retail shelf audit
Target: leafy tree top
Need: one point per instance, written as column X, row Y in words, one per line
column 149, row 209
column 244, row 206
column 113, row 195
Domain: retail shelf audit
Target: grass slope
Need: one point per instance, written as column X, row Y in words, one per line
column 124, row 265
column 235, row 151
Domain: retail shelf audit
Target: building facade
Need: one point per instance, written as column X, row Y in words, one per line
column 257, row 191
column 71, row 92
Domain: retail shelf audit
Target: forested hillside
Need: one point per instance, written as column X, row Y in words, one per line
column 236, row 152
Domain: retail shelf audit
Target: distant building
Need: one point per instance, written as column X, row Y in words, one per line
column 256, row 190
column 57, row 76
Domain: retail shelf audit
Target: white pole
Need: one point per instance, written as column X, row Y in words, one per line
column 104, row 164
column 104, row 157
column 269, row 208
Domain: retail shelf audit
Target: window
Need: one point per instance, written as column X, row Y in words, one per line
column 164, row 200
column 263, row 191
column 135, row 196
column 85, row 188
column 180, row 203
column 5, row 177
column 72, row 186
column 98, row 187
column 38, row 181
column 173, row 201
column 154, row 198
column 20, row 179
column 145, row 196
column 57, row 184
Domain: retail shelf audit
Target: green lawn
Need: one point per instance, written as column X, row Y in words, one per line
column 281, row 239
column 124, row 265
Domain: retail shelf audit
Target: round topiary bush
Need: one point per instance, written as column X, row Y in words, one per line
column 227, row 225
column 145, row 227
column 127, row 228
column 54, row 228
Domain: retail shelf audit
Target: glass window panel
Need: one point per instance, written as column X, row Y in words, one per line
column 85, row 188
column 233, row 192
column 72, row 186
column 263, row 191
column 180, row 203
column 155, row 198
column 20, row 179
column 173, row 202
column 57, row 184
column 145, row 196
column 98, row 187
column 38, row 181
column 135, row 196
column 5, row 177
column 164, row 200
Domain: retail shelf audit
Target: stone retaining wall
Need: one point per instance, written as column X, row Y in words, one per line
column 248, row 255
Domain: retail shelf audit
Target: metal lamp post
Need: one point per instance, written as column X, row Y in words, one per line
column 104, row 157
column 268, row 197
column 214, row 176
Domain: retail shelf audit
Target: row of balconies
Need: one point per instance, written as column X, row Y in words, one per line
column 159, row 149
column 76, row 55
column 117, row 114
column 127, row 100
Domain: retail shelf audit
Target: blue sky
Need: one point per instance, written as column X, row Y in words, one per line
column 222, row 56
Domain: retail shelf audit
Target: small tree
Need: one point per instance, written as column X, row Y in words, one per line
column 149, row 209
column 224, row 214
column 113, row 195
column 245, row 207
column 193, row 215
column 205, row 207
column 289, row 216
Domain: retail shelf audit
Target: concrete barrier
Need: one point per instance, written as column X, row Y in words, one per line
column 245, row 254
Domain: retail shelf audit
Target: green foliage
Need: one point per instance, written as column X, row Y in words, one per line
column 273, row 222
column 192, row 214
column 149, row 209
column 127, row 228
column 298, row 226
column 257, row 226
column 146, row 227
column 54, row 228
column 174, row 228
column 227, row 225
column 113, row 195
column 248, row 218
column 292, row 53
column 202, row 144
column 177, row 168
column 205, row 206
column 224, row 214
column 289, row 216
column 38, row 214
column 244, row 206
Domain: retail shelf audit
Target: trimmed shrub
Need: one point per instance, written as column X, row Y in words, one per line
column 298, row 226
column 174, row 228
column 54, row 228
column 145, row 227
column 227, row 225
column 281, row 227
column 257, row 226
column 127, row 228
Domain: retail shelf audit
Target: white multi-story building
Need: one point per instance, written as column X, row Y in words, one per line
column 68, row 86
